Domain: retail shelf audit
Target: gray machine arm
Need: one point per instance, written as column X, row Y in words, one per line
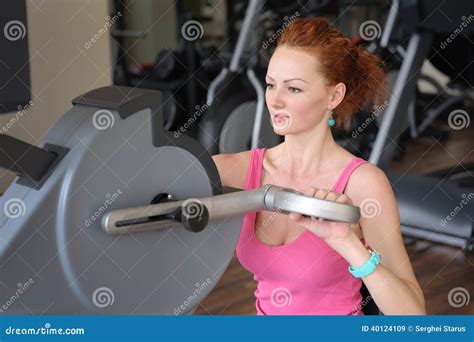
column 195, row 213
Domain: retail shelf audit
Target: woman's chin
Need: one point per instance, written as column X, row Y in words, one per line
column 281, row 123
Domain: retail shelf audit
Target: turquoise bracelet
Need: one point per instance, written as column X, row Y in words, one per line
column 368, row 267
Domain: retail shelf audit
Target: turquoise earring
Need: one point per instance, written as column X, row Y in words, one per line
column 331, row 121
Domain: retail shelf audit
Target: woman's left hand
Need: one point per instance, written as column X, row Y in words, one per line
column 330, row 231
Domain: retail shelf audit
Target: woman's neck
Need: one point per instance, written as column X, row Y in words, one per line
column 307, row 154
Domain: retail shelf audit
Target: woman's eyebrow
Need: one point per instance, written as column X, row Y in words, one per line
column 295, row 79
column 291, row 79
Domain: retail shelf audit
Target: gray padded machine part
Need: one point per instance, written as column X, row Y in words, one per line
column 115, row 155
column 236, row 134
column 58, row 241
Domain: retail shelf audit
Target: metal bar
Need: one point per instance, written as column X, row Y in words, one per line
column 234, row 202
column 249, row 21
column 257, row 126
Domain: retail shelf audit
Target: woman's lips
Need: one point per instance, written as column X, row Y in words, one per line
column 280, row 120
column 280, row 116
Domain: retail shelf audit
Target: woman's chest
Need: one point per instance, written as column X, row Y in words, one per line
column 306, row 260
column 276, row 228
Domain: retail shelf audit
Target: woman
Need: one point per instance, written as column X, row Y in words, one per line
column 317, row 79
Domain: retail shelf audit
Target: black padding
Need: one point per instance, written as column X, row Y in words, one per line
column 235, row 90
column 32, row 164
column 438, row 16
column 15, row 89
column 124, row 100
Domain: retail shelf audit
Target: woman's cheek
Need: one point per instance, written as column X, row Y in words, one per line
column 315, row 107
column 304, row 108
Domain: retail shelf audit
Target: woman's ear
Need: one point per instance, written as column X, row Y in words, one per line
column 338, row 93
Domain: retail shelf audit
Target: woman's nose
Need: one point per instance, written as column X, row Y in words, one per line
column 275, row 99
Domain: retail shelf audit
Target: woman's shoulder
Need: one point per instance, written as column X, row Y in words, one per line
column 365, row 169
column 345, row 158
column 232, row 168
column 366, row 180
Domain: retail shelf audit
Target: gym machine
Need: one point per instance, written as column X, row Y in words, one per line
column 66, row 230
column 431, row 208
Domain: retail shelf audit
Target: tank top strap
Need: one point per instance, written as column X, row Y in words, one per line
column 254, row 169
column 346, row 174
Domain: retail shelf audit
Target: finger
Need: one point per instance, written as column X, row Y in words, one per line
column 321, row 193
column 332, row 196
column 343, row 198
column 306, row 221
column 310, row 191
column 317, row 225
column 296, row 216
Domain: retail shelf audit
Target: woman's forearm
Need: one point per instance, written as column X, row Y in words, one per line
column 393, row 296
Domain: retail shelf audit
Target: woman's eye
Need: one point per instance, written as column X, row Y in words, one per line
column 295, row 90
column 268, row 85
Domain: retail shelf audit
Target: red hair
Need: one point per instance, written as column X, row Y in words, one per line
column 340, row 61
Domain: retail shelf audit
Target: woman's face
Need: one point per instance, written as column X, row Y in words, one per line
column 297, row 96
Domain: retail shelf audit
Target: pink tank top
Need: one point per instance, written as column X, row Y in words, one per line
column 303, row 277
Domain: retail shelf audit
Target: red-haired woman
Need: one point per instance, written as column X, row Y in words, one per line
column 316, row 79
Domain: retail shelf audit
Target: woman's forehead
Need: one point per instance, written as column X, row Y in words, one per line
column 289, row 63
column 293, row 53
